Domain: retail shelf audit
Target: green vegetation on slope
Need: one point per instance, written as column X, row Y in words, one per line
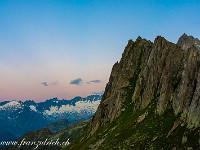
column 129, row 131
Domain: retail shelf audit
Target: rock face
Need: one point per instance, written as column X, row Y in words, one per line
column 123, row 73
column 157, row 83
column 187, row 42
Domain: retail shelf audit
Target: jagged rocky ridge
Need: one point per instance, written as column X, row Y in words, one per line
column 152, row 99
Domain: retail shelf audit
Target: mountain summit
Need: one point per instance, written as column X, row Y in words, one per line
column 152, row 99
column 187, row 42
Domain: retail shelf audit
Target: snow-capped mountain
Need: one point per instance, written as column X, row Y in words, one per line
column 18, row 118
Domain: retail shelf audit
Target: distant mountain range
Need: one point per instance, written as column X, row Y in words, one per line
column 18, row 118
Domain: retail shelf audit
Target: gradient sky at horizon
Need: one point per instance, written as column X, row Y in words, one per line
column 45, row 45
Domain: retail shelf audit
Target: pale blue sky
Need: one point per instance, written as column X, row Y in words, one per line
column 63, row 40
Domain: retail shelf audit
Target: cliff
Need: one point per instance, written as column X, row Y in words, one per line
column 187, row 42
column 152, row 99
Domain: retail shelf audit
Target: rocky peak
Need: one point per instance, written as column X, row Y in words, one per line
column 186, row 42
column 152, row 99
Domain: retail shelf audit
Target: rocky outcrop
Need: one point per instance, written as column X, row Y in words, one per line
column 187, row 96
column 161, row 68
column 135, row 56
column 154, row 85
column 187, row 42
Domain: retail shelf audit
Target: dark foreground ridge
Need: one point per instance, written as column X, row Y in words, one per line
column 65, row 135
column 152, row 99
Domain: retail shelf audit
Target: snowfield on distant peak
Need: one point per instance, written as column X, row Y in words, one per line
column 11, row 105
column 32, row 107
column 79, row 107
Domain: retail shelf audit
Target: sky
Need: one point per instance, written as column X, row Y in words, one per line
column 66, row 48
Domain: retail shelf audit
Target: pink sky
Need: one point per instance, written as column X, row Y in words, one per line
column 59, row 41
column 23, row 82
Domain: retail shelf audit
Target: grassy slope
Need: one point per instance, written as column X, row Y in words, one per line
column 126, row 133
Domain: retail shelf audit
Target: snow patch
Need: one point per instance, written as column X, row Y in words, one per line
column 79, row 107
column 11, row 105
column 32, row 107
